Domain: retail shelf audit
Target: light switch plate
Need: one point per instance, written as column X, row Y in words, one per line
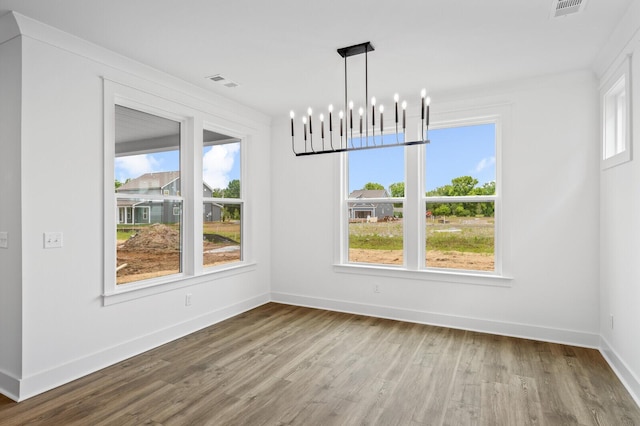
column 52, row 239
column 4, row 240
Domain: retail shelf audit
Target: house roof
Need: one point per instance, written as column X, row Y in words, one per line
column 155, row 180
column 369, row 193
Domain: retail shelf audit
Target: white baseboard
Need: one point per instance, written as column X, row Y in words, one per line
column 545, row 334
column 47, row 380
column 9, row 386
column 19, row 390
column 626, row 376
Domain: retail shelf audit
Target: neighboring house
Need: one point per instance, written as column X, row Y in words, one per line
column 146, row 211
column 363, row 210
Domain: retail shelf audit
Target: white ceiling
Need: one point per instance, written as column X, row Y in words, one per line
column 283, row 52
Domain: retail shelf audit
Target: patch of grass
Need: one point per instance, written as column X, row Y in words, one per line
column 471, row 235
column 375, row 242
column 124, row 235
column 460, row 241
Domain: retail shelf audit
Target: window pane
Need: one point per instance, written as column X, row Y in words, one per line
column 615, row 119
column 148, row 248
column 222, row 228
column 220, row 166
column 376, row 173
column 147, row 162
column 463, row 241
column 461, row 161
column 374, row 236
column 147, row 153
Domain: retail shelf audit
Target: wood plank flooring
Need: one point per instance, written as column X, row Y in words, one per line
column 287, row 365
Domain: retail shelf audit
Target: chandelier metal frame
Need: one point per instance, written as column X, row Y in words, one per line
column 346, row 124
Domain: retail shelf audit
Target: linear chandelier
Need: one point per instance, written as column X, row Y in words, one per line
column 354, row 136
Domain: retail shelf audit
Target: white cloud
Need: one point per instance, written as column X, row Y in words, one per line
column 217, row 163
column 485, row 163
column 134, row 166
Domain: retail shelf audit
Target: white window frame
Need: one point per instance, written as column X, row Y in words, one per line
column 191, row 128
column 455, row 122
column 240, row 201
column 615, row 112
column 414, row 208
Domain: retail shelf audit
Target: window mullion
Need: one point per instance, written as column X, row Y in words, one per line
column 411, row 207
column 193, row 171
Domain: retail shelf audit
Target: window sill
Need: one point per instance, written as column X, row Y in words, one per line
column 456, row 277
column 127, row 292
column 616, row 160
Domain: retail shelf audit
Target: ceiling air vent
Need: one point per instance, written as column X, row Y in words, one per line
column 567, row 7
column 220, row 79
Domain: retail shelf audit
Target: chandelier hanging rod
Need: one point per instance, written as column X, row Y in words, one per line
column 346, row 129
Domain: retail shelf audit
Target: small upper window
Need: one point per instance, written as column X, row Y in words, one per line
column 616, row 121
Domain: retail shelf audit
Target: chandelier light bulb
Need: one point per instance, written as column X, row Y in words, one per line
column 292, row 115
column 404, row 104
column 321, row 117
column 423, row 93
column 360, row 111
column 396, row 97
column 373, row 101
column 341, row 114
column 330, row 108
column 304, row 120
column 309, row 111
column 381, row 109
column 350, row 104
column 428, row 100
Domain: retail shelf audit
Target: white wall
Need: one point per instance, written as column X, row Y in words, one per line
column 620, row 224
column 550, row 194
column 10, row 208
column 66, row 330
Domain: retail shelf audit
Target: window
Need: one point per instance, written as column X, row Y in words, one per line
column 460, row 170
column 175, row 191
column 375, row 206
column 147, row 178
column 222, row 200
column 442, row 201
column 616, row 123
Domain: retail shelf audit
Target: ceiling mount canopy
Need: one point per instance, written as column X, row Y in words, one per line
column 359, row 135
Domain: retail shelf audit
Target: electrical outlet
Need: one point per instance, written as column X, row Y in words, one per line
column 187, row 299
column 4, row 240
column 611, row 320
column 376, row 288
column 52, row 240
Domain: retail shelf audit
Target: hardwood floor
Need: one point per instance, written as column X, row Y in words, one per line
column 281, row 365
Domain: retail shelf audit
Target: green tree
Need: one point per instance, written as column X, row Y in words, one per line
column 397, row 189
column 217, row 193
column 488, row 188
column 462, row 211
column 372, row 185
column 463, row 185
column 442, row 210
column 233, row 189
column 118, row 184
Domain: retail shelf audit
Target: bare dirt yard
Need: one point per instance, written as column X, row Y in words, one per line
column 435, row 259
column 155, row 252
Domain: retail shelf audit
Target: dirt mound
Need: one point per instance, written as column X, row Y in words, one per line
column 157, row 237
